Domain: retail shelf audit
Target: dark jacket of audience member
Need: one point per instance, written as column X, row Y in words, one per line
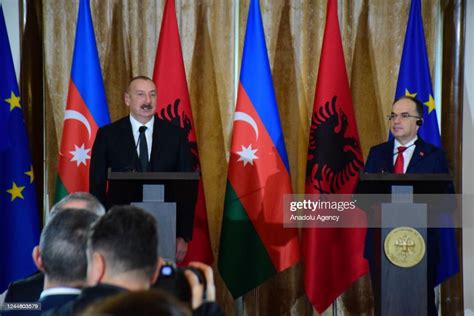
column 30, row 288
column 122, row 253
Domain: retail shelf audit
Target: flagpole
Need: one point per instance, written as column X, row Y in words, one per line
column 236, row 49
column 239, row 302
column 45, row 165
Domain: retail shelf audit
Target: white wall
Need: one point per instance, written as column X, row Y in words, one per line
column 11, row 13
column 468, row 158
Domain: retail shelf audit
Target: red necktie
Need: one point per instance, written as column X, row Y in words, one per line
column 399, row 162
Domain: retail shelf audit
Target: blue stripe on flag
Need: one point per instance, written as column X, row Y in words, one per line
column 86, row 72
column 256, row 78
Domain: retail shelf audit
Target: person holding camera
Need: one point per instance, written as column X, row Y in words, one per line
column 165, row 300
column 122, row 256
column 203, row 292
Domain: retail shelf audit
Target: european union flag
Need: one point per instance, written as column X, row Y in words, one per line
column 414, row 80
column 19, row 222
column 414, row 77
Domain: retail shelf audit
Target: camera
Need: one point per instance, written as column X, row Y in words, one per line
column 173, row 280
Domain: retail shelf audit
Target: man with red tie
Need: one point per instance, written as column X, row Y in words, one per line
column 407, row 153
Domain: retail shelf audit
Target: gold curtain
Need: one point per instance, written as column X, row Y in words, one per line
column 127, row 35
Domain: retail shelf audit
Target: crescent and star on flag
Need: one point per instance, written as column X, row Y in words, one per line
column 247, row 154
column 80, row 154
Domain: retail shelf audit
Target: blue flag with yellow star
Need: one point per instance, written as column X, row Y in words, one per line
column 414, row 80
column 414, row 77
column 19, row 220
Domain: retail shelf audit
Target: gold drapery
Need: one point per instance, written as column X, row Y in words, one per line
column 127, row 35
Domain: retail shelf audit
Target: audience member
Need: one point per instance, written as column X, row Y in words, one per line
column 139, row 303
column 61, row 256
column 29, row 289
column 122, row 255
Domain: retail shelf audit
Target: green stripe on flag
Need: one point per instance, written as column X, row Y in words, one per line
column 61, row 190
column 244, row 262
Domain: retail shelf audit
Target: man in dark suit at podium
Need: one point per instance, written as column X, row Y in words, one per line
column 408, row 153
column 140, row 142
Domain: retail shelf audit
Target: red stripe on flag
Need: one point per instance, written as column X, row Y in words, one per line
column 78, row 137
column 260, row 182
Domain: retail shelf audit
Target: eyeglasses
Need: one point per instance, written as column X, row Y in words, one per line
column 402, row 116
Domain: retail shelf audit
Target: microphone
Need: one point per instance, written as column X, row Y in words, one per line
column 414, row 144
column 383, row 170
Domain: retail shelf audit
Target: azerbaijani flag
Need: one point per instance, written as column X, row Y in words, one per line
column 254, row 244
column 86, row 109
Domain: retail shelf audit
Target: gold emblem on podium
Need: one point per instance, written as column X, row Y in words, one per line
column 404, row 247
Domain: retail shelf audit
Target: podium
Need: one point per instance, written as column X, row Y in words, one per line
column 169, row 196
column 400, row 250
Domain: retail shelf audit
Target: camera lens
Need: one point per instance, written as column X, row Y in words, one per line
column 166, row 271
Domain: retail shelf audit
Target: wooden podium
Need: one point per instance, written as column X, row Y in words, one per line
column 401, row 230
column 169, row 196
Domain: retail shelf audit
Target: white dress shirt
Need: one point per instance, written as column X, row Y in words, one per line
column 59, row 291
column 407, row 153
column 148, row 133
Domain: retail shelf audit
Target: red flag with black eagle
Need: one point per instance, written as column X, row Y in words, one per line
column 333, row 257
column 173, row 104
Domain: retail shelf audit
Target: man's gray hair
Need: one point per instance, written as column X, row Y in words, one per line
column 92, row 204
column 63, row 244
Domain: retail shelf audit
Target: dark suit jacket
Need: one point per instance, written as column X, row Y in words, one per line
column 26, row 290
column 426, row 159
column 88, row 296
column 115, row 148
column 56, row 300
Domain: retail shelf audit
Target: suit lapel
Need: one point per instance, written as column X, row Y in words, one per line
column 418, row 155
column 155, row 144
column 130, row 145
column 388, row 157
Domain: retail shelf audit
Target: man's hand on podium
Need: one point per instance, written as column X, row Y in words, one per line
column 181, row 249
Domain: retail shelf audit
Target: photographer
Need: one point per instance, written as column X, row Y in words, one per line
column 201, row 290
column 193, row 285
column 197, row 279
